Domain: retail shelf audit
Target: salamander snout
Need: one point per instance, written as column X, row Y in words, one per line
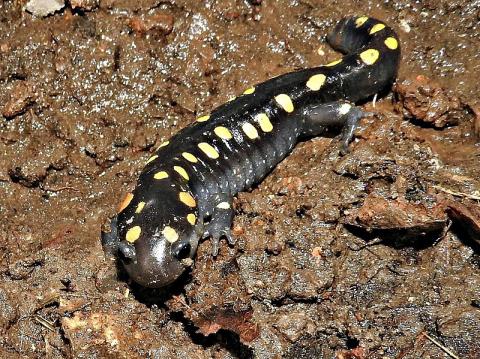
column 155, row 263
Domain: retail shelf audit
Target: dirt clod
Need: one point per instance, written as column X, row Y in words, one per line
column 21, row 97
column 163, row 23
column 425, row 100
column 85, row 5
column 467, row 217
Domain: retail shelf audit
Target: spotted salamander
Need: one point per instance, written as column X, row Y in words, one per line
column 185, row 191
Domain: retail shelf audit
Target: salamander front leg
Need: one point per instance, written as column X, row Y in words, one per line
column 221, row 221
column 352, row 119
column 318, row 117
column 110, row 240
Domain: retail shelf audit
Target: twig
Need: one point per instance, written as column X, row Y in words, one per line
column 44, row 322
column 444, row 232
column 59, row 189
column 441, row 346
column 457, row 194
column 371, row 243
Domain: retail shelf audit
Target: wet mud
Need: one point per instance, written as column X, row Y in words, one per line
column 370, row 255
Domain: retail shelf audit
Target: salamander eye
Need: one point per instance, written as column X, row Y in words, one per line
column 182, row 251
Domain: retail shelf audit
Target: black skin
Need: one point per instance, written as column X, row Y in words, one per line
column 151, row 260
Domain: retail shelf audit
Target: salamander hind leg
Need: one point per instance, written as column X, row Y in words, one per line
column 221, row 221
column 342, row 114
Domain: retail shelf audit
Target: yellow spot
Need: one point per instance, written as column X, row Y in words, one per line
column 191, row 219
column 223, row 132
column 361, row 20
column 187, row 199
column 189, row 157
column 181, row 171
column 232, row 98
column 223, row 205
column 140, row 207
column 249, row 91
column 164, row 144
column 285, row 102
column 170, row 234
column 208, row 150
column 316, row 81
column 133, row 234
column 160, row 175
column 126, row 201
column 250, row 130
column 203, row 118
column 376, row 28
column 154, row 157
column 333, row 63
column 370, row 56
column 391, row 43
column 264, row 122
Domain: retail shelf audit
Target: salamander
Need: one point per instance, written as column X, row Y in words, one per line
column 185, row 191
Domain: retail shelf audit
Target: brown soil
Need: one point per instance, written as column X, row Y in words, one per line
column 370, row 255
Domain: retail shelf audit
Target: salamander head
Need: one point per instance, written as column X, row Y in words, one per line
column 155, row 237
column 152, row 261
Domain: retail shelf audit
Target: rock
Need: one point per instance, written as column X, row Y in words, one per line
column 44, row 7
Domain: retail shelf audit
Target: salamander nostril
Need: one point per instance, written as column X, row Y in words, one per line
column 126, row 251
column 183, row 251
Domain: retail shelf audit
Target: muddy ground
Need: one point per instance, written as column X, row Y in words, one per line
column 370, row 255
